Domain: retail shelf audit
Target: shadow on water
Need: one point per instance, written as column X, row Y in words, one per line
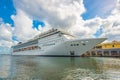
column 59, row 68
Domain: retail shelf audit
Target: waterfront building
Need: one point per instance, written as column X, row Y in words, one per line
column 105, row 49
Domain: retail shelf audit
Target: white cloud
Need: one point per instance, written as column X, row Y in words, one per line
column 5, row 34
column 5, row 43
column 23, row 26
column 57, row 13
column 112, row 24
column 5, row 37
column 65, row 15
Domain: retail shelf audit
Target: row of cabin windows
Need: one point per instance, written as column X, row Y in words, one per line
column 49, row 44
column 28, row 48
column 26, row 44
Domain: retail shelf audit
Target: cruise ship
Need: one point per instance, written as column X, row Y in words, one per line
column 55, row 42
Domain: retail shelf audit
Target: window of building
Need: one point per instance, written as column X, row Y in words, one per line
column 88, row 53
column 93, row 53
column 99, row 52
column 114, row 53
column 106, row 52
column 112, row 45
column 98, row 47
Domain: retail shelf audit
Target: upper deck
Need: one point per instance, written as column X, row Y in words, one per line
column 51, row 32
column 41, row 36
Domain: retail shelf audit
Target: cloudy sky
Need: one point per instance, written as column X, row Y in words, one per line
column 21, row 20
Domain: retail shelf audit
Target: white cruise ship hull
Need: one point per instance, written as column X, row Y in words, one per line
column 67, row 48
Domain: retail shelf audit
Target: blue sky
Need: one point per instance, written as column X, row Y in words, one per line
column 7, row 9
column 22, row 19
column 96, row 8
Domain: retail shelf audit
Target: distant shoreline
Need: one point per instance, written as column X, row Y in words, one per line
column 5, row 54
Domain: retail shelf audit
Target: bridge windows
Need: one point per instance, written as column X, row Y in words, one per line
column 74, row 45
column 77, row 44
column 71, row 44
column 84, row 44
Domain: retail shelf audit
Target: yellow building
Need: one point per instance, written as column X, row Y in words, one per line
column 108, row 45
column 105, row 49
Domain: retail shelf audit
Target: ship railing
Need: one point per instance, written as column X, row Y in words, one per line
column 52, row 30
column 48, row 34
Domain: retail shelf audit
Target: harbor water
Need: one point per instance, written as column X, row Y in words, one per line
column 58, row 68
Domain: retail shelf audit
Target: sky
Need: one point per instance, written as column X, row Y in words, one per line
column 21, row 20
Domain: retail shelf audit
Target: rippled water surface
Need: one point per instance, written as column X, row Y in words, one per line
column 58, row 68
